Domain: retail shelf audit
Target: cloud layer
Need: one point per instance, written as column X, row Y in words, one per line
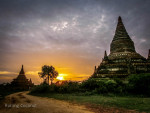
column 67, row 33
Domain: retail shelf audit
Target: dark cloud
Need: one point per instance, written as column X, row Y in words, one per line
column 82, row 28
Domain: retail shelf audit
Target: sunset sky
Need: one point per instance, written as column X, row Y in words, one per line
column 71, row 35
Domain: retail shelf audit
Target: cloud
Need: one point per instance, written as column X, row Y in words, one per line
column 63, row 31
column 6, row 72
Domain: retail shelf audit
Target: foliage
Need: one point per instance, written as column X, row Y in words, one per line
column 139, row 84
column 48, row 73
column 68, row 87
column 103, row 86
column 90, row 84
column 42, row 88
column 136, row 84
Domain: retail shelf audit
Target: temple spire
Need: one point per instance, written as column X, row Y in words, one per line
column 22, row 70
column 149, row 54
column 119, row 19
column 105, row 55
column 30, row 80
column 120, row 30
column 95, row 69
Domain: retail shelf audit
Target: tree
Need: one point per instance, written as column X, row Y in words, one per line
column 48, row 73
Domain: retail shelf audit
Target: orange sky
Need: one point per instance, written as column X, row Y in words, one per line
column 69, row 66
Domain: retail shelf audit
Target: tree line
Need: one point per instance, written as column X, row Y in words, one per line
column 137, row 84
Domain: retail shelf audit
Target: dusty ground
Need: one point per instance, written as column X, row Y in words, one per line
column 23, row 103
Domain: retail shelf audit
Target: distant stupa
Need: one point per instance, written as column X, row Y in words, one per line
column 21, row 82
column 123, row 59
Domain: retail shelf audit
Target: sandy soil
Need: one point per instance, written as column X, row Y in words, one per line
column 23, row 103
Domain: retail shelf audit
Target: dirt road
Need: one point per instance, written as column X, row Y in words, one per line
column 23, row 103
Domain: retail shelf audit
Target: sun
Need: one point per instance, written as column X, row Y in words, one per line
column 61, row 77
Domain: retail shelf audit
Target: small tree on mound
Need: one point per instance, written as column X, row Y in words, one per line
column 48, row 73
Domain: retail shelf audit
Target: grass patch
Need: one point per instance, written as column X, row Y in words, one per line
column 128, row 102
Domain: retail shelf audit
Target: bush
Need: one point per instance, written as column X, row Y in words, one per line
column 69, row 87
column 121, row 86
column 104, row 86
column 139, row 84
column 43, row 88
column 90, row 84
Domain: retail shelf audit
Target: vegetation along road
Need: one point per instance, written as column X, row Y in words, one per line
column 23, row 103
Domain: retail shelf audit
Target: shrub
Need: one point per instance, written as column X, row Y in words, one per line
column 121, row 86
column 90, row 84
column 103, row 86
column 69, row 87
column 111, row 85
column 43, row 88
column 63, row 88
column 139, row 84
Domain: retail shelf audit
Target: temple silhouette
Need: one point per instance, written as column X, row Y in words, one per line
column 123, row 59
column 21, row 82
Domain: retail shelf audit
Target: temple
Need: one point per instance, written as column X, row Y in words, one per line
column 123, row 59
column 21, row 82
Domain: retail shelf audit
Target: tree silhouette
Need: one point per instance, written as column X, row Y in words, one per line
column 48, row 73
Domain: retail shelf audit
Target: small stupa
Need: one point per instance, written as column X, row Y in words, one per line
column 21, row 82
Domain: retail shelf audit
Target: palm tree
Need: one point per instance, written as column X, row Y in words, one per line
column 48, row 73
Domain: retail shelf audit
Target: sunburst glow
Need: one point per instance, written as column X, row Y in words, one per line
column 61, row 77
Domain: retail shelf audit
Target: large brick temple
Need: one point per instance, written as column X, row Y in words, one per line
column 123, row 59
column 21, row 82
